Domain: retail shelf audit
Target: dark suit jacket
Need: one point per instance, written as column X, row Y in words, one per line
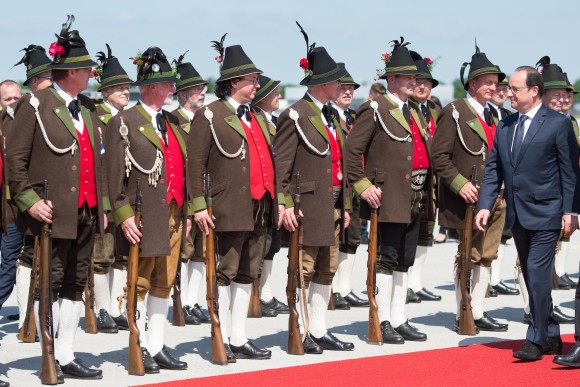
column 540, row 183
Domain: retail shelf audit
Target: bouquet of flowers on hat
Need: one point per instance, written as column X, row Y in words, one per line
column 56, row 49
column 102, row 60
column 219, row 47
column 385, row 58
column 147, row 62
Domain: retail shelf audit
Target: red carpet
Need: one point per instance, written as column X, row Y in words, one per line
column 489, row 364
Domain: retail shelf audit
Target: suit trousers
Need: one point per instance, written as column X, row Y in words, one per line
column 354, row 230
column 273, row 244
column 10, row 247
column 536, row 249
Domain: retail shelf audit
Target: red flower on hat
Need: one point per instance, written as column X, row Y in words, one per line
column 428, row 60
column 304, row 64
column 55, row 48
column 219, row 59
column 95, row 74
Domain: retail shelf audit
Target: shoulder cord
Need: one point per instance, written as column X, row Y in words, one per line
column 481, row 152
column 375, row 106
column 34, row 102
column 294, row 116
column 209, row 115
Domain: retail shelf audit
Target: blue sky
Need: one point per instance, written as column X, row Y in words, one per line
column 511, row 33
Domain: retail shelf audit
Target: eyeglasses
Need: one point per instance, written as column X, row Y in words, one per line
column 254, row 81
column 516, row 90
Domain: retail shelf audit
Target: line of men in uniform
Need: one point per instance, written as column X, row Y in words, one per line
column 95, row 155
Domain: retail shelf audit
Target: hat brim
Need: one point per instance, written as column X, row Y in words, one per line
column 189, row 83
column 500, row 77
column 331, row 76
column 120, row 81
column 239, row 73
column 356, row 85
column 264, row 92
column 73, row 65
column 434, row 81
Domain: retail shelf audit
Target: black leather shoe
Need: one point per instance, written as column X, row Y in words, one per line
column 529, row 352
column 311, row 347
column 563, row 284
column 526, row 319
column 250, row 351
column 13, row 317
column 105, row 322
column 410, row 333
column 122, row 322
column 572, row 359
column 356, row 301
column 168, row 362
column 502, row 288
column 552, row 347
column 201, row 314
column 412, row 297
column 487, row 323
column 150, row 365
column 332, row 343
column 340, row 302
column 561, row 317
column 456, row 327
column 189, row 317
column 390, row 336
column 59, row 373
column 76, row 370
column 492, row 292
column 229, row 354
column 573, row 284
column 426, row 295
column 267, row 311
column 278, row 306
column 4, row 384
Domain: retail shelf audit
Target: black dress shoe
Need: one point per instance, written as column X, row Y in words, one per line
column 250, row 351
column 311, row 347
column 561, row 317
column 267, row 311
column 278, row 306
column 456, row 327
column 59, row 373
column 150, row 365
column 340, row 302
column 13, row 317
column 412, row 297
column 122, row 322
column 105, row 322
column 426, row 295
column 492, row 292
column 572, row 359
column 229, row 354
column 76, row 370
column 502, row 288
column 573, row 284
column 552, row 347
column 390, row 336
column 529, row 352
column 201, row 314
column 4, row 384
column 168, row 362
column 410, row 333
column 355, row 300
column 526, row 319
column 563, row 284
column 189, row 317
column 487, row 323
column 332, row 343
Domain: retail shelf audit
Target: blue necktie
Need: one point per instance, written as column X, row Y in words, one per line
column 519, row 136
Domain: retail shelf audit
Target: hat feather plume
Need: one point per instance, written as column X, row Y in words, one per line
column 219, row 46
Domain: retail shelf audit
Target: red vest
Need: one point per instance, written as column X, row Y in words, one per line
column 174, row 171
column 261, row 165
column 489, row 133
column 87, row 176
column 336, row 158
column 420, row 156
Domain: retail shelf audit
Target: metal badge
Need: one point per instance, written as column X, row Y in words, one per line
column 123, row 129
column 155, row 68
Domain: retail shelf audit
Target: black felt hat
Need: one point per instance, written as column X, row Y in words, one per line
column 423, row 71
column 187, row 76
column 479, row 65
column 570, row 85
column 234, row 62
column 69, row 50
column 267, row 86
column 347, row 78
column 503, row 81
column 399, row 61
column 109, row 70
column 153, row 67
column 35, row 60
column 552, row 73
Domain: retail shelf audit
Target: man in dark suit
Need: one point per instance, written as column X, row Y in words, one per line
column 536, row 156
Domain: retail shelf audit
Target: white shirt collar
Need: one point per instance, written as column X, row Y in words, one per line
column 235, row 104
column 113, row 109
column 316, row 102
column 532, row 113
column 63, row 94
column 152, row 112
column 187, row 112
column 476, row 105
column 320, row 105
column 339, row 110
column 78, row 124
column 396, row 99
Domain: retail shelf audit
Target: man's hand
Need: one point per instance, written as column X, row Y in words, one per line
column 481, row 219
column 105, row 221
column 188, row 225
column 372, row 195
column 569, row 224
column 290, row 221
column 131, row 231
column 203, row 221
column 346, row 219
column 469, row 193
column 41, row 211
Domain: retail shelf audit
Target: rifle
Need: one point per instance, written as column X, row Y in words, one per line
column 295, row 341
column 136, row 366
column 178, row 319
column 90, row 317
column 218, row 352
column 375, row 335
column 466, row 323
column 255, row 308
column 48, row 372
column 27, row 332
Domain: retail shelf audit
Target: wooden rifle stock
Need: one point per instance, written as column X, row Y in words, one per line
column 255, row 308
column 375, row 335
column 295, row 344
column 218, row 352
column 48, row 371
column 136, row 366
column 178, row 319
column 90, row 316
column 466, row 322
column 27, row 332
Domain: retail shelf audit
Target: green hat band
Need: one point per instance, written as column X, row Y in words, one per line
column 116, row 77
column 484, row 70
column 157, row 75
column 347, row 80
column 327, row 74
column 556, row 84
column 37, row 70
column 238, row 68
column 400, row 68
column 188, row 80
column 263, row 88
column 74, row 59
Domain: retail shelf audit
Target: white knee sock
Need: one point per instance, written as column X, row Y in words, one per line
column 141, row 322
column 184, row 282
column 102, row 292
column 399, row 296
column 481, row 275
column 416, row 270
column 195, row 273
column 239, row 306
column 157, row 319
column 319, row 297
column 344, row 273
column 266, row 280
column 385, row 291
column 22, row 288
column 55, row 320
column 300, row 308
column 224, row 293
column 70, row 314
column 117, row 282
column 524, row 291
column 457, row 292
column 496, row 266
column 560, row 260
